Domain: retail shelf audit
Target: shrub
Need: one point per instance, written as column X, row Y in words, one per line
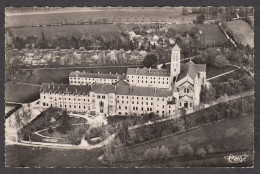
column 75, row 136
column 201, row 153
column 95, row 132
column 90, row 141
column 185, row 150
column 50, row 130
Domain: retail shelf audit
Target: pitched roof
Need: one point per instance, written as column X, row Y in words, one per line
column 95, row 75
column 131, row 90
column 191, row 69
column 65, row 88
column 103, row 88
column 148, row 72
column 121, row 83
column 176, row 48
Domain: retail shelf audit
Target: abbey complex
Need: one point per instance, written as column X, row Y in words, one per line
column 138, row 92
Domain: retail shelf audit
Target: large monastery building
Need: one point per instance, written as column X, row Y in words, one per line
column 141, row 91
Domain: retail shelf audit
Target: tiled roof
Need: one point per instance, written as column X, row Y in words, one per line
column 65, row 88
column 131, row 90
column 148, row 72
column 95, row 75
column 121, row 83
column 103, row 88
column 190, row 69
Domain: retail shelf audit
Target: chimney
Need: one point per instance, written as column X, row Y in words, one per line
column 110, row 73
column 150, row 70
column 66, row 90
column 98, row 72
column 49, row 86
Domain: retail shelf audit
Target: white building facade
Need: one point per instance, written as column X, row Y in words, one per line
column 160, row 91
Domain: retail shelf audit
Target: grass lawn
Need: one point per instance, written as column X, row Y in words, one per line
column 62, row 75
column 212, row 71
column 233, row 75
column 21, row 93
column 243, row 34
column 23, row 156
column 226, row 135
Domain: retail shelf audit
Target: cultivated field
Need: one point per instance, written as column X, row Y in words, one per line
column 242, row 31
column 86, row 14
column 88, row 31
column 19, row 93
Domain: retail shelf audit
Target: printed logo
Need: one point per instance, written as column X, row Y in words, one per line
column 236, row 158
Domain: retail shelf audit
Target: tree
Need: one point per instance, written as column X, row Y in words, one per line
column 163, row 66
column 157, row 153
column 22, row 119
column 221, row 61
column 65, row 125
column 114, row 151
column 185, row 150
column 207, row 94
column 200, row 19
column 150, row 60
column 75, row 136
column 210, row 149
column 201, row 153
column 43, row 42
column 171, row 33
column 50, row 130
column 123, row 133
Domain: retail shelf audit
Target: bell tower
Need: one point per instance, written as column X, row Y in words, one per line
column 175, row 62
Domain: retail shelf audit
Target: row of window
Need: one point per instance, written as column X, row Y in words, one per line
column 65, row 106
column 151, row 82
column 135, row 108
column 142, row 77
column 100, row 79
column 55, row 99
